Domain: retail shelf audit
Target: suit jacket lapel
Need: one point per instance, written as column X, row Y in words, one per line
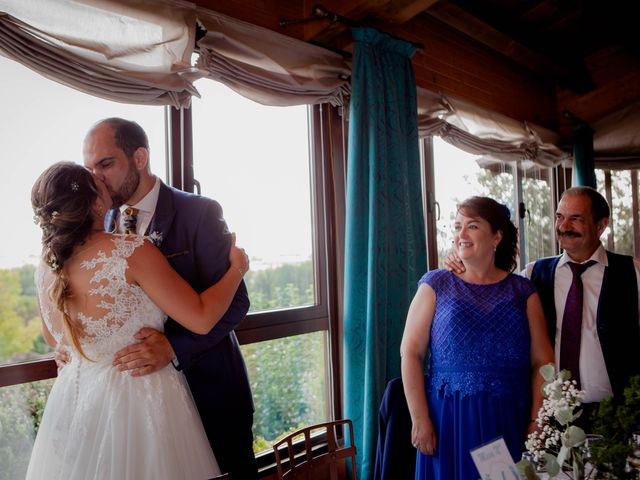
column 164, row 213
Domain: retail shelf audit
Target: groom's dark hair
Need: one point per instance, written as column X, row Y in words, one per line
column 129, row 136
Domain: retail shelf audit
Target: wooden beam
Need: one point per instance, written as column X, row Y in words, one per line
column 401, row 11
column 611, row 97
column 485, row 34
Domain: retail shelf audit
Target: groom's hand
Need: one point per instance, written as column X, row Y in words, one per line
column 62, row 356
column 152, row 352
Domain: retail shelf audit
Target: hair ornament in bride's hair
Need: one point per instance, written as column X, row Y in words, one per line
column 50, row 258
column 75, row 186
column 42, row 217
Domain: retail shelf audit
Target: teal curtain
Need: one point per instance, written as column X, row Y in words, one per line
column 385, row 243
column 583, row 156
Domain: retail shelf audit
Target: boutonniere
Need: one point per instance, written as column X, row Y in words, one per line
column 155, row 238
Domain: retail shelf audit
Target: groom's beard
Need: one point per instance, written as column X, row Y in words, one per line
column 127, row 189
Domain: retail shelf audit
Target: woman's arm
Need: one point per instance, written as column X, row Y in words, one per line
column 413, row 348
column 541, row 352
column 199, row 313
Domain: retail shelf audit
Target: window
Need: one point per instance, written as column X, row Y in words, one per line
column 264, row 179
column 47, row 128
column 255, row 160
column 21, row 408
column 524, row 187
column 616, row 186
column 539, row 214
column 458, row 175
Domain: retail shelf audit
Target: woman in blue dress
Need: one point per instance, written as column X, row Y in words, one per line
column 485, row 333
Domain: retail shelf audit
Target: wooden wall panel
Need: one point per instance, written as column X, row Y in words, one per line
column 451, row 62
column 607, row 64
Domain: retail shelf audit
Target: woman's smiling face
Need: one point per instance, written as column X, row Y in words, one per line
column 474, row 238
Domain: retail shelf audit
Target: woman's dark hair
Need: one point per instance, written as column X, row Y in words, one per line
column 499, row 217
column 63, row 198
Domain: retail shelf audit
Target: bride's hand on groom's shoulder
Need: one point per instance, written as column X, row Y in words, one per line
column 238, row 257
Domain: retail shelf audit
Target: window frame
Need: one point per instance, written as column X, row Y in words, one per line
column 559, row 179
column 258, row 326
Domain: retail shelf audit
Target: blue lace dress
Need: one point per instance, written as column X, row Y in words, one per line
column 478, row 384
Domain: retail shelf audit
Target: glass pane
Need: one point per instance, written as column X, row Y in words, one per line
column 254, row 160
column 44, row 122
column 458, row 176
column 21, row 408
column 621, row 222
column 288, row 380
column 539, row 220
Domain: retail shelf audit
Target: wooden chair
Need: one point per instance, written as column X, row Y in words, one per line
column 323, row 460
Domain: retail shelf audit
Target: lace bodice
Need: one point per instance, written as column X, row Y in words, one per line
column 479, row 334
column 115, row 309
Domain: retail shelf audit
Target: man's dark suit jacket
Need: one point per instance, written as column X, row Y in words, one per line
column 196, row 241
column 395, row 456
column 616, row 317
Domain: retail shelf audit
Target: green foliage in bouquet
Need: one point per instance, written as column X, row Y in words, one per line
column 616, row 423
column 557, row 445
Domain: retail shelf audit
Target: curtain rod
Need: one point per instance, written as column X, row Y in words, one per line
column 319, row 12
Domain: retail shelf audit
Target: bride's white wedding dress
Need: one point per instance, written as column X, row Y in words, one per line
column 100, row 423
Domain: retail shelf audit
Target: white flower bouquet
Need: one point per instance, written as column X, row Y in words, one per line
column 557, row 444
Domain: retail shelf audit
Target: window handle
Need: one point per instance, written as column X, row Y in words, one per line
column 522, row 210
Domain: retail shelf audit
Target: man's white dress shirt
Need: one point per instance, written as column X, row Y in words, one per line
column 146, row 208
column 593, row 371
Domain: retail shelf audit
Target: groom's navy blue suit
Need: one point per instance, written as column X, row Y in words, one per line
column 196, row 241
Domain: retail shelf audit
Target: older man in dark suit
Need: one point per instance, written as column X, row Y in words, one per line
column 597, row 349
column 191, row 231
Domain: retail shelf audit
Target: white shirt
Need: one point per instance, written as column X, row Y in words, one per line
column 593, row 371
column 146, row 209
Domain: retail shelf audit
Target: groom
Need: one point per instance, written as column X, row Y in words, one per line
column 190, row 230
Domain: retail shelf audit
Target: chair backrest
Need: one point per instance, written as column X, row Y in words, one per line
column 306, row 460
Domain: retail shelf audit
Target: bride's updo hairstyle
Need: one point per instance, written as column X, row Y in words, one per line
column 62, row 198
column 499, row 217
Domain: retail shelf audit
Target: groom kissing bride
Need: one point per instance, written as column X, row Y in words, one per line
column 193, row 237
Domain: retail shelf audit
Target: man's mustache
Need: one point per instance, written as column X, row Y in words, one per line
column 569, row 233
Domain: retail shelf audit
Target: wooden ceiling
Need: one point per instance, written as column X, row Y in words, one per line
column 551, row 62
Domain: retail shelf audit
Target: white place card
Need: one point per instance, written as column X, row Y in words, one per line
column 494, row 461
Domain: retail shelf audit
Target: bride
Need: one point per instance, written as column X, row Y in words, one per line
column 95, row 291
